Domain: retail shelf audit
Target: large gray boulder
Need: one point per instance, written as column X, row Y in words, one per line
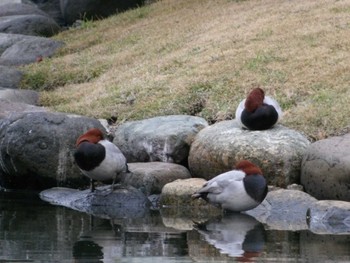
column 73, row 10
column 36, row 150
column 277, row 151
column 28, row 50
column 10, row 77
column 165, row 138
column 26, row 19
column 325, row 169
column 151, row 177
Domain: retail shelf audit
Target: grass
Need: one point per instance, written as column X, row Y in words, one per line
column 201, row 57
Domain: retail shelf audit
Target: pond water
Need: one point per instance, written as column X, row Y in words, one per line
column 32, row 230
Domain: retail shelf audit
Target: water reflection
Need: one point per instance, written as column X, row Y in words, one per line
column 34, row 231
column 238, row 235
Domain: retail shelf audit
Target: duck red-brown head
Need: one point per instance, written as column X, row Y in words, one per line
column 248, row 167
column 93, row 135
column 255, row 99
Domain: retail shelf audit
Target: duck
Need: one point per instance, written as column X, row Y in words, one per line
column 257, row 111
column 240, row 189
column 98, row 158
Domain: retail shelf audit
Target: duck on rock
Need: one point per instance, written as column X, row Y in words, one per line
column 238, row 190
column 257, row 111
column 98, row 158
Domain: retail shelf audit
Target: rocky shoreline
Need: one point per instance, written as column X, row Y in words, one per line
column 170, row 156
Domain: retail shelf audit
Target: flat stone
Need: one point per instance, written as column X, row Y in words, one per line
column 122, row 202
column 152, row 176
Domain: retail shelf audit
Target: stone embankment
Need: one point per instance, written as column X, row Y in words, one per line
column 170, row 156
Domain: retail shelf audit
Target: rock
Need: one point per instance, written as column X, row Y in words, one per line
column 30, row 97
column 325, row 169
column 177, row 201
column 10, row 77
column 17, row 18
column 277, row 151
column 12, row 9
column 28, row 50
column 165, row 138
column 34, row 25
column 36, row 150
column 7, row 40
column 52, row 8
column 4, row 2
column 126, row 202
column 90, row 9
column 330, row 217
column 284, row 210
column 152, row 176
column 7, row 108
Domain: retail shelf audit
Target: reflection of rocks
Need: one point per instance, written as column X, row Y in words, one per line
column 324, row 248
column 278, row 151
column 238, row 235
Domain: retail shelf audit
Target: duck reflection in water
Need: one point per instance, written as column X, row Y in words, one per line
column 86, row 251
column 237, row 235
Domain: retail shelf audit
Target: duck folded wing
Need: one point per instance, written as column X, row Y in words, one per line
column 220, row 182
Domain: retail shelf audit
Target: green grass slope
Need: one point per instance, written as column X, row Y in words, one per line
column 201, row 57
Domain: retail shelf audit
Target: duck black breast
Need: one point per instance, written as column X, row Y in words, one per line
column 255, row 186
column 264, row 117
column 89, row 155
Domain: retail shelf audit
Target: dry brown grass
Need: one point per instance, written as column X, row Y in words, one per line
column 201, row 57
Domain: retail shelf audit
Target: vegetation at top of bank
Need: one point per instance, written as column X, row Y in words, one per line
column 201, row 57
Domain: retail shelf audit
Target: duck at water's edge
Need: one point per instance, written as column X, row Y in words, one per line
column 257, row 111
column 98, row 158
column 238, row 190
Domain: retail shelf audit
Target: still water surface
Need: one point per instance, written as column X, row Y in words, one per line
column 32, row 230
